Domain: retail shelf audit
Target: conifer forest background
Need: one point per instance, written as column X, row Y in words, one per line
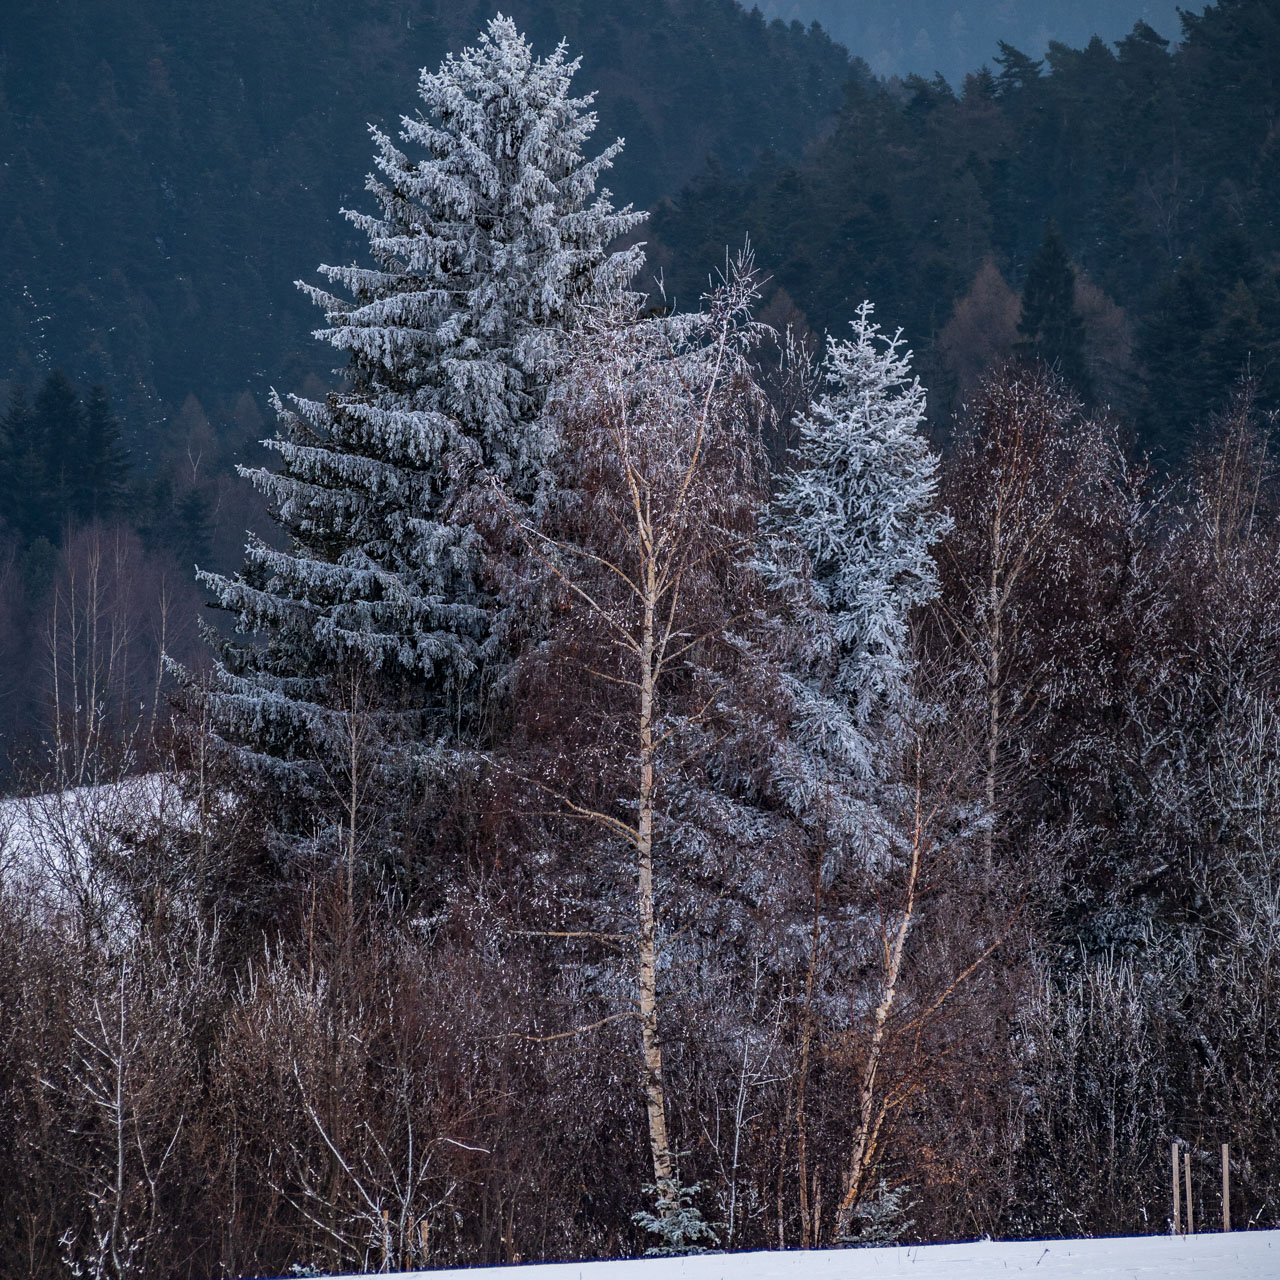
column 712, row 682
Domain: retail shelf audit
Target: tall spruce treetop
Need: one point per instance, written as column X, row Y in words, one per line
column 60, row 429
column 490, row 234
column 102, row 474
column 484, row 249
column 859, row 505
column 1050, row 327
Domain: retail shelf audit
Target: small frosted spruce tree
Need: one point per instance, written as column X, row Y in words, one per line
column 490, row 235
column 852, row 530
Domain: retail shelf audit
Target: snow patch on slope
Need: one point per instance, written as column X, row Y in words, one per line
column 53, row 846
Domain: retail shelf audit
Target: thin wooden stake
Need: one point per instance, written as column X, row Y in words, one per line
column 1226, row 1187
column 1191, row 1221
column 1177, row 1183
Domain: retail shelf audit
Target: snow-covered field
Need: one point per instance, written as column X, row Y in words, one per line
column 1243, row 1255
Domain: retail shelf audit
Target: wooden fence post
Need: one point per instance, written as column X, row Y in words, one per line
column 1177, row 1182
column 1226, row 1187
column 1191, row 1222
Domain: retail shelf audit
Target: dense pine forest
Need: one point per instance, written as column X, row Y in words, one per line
column 170, row 172
column 1132, row 164
column 924, row 37
column 745, row 716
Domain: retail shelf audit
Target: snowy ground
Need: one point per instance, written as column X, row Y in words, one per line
column 1252, row 1255
column 51, row 846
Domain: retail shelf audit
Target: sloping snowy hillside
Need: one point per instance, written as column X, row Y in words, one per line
column 53, row 847
column 1242, row 1255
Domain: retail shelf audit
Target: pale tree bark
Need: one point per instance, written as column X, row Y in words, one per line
column 647, row 941
column 350, row 775
column 994, row 664
column 809, row 1227
column 871, row 1107
column 654, row 578
column 131, row 1084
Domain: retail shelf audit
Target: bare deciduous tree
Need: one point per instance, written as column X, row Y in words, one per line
column 655, row 416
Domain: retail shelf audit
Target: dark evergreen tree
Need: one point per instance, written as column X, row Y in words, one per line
column 192, row 526
column 1236, row 344
column 1017, row 70
column 13, row 420
column 60, row 429
column 1051, row 328
column 100, row 474
column 25, row 505
column 1232, row 55
column 1147, row 101
column 379, row 617
column 1205, row 330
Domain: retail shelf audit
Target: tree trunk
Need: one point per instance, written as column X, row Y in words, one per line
column 655, row 1090
column 808, row 1226
column 869, row 1122
column 994, row 640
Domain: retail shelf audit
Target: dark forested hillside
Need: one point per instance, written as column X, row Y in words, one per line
column 1157, row 165
column 923, row 37
column 169, row 170
column 167, row 174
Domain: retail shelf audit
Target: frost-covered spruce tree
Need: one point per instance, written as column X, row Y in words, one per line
column 372, row 623
column 853, row 525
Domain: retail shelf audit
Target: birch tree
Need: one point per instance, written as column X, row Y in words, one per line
column 645, row 554
column 127, row 1092
column 1027, row 465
